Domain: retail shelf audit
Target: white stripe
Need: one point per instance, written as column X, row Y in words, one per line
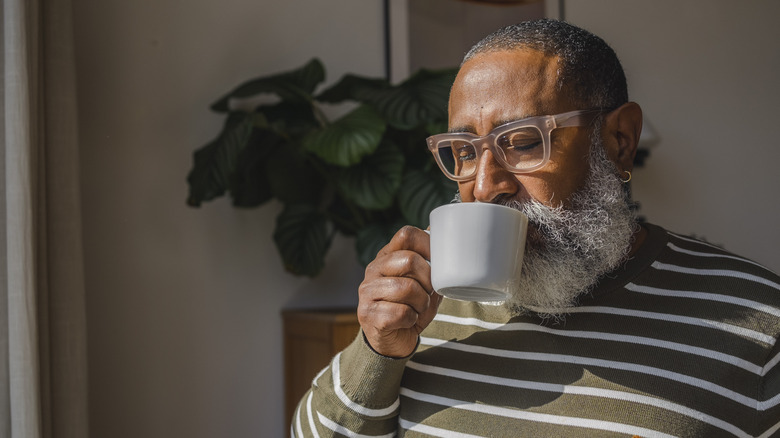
column 770, row 431
column 755, row 305
column 467, row 321
column 741, row 331
column 297, row 422
column 700, row 242
column 360, row 409
column 580, row 390
column 639, row 340
column 433, row 431
column 330, row 424
column 771, row 364
column 534, row 416
column 313, row 426
column 676, row 248
column 674, row 346
column 317, row 377
column 587, row 361
column 716, row 272
column 768, row 404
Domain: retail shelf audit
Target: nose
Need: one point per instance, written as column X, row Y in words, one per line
column 493, row 181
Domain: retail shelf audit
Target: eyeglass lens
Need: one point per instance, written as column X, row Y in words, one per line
column 520, row 148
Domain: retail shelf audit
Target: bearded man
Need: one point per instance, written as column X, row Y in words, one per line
column 616, row 328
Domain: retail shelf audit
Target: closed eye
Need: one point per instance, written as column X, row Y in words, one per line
column 520, row 141
column 466, row 154
column 463, row 151
column 520, row 147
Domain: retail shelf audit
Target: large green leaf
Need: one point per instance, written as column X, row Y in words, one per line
column 352, row 87
column 421, row 192
column 302, row 238
column 215, row 164
column 347, row 140
column 249, row 184
column 373, row 183
column 372, row 238
column 291, row 177
column 419, row 100
column 296, row 85
column 347, row 219
column 287, row 119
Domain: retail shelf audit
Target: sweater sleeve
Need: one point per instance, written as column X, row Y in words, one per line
column 356, row 394
column 768, row 400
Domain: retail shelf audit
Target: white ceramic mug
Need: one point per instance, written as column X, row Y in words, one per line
column 476, row 250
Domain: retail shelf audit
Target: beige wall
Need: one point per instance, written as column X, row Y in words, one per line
column 706, row 74
column 183, row 304
column 442, row 31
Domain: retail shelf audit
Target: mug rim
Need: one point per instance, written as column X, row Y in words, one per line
column 476, row 204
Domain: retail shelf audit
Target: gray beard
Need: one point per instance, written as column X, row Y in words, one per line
column 569, row 249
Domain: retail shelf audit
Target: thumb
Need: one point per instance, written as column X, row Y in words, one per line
column 425, row 317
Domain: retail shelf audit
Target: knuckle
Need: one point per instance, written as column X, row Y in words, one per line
column 397, row 317
column 364, row 289
column 383, row 324
column 398, row 264
column 363, row 313
column 406, row 232
column 389, row 312
column 403, row 286
column 407, row 316
column 404, row 263
column 373, row 270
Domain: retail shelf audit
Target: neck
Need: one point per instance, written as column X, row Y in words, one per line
column 637, row 240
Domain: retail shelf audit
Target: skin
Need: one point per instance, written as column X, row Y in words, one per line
column 396, row 299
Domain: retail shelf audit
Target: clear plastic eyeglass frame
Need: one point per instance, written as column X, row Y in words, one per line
column 539, row 125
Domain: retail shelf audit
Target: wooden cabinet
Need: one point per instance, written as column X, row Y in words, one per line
column 311, row 339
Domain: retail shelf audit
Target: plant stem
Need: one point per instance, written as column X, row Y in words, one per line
column 359, row 219
column 319, row 114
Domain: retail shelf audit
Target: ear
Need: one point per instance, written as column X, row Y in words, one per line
column 621, row 132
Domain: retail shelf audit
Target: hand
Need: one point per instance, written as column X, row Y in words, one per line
column 397, row 300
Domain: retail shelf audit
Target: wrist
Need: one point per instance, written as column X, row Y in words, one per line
column 391, row 353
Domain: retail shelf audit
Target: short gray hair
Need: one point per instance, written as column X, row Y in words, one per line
column 590, row 69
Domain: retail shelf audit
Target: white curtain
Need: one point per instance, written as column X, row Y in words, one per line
column 43, row 375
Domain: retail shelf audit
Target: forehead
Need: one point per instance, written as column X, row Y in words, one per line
column 498, row 87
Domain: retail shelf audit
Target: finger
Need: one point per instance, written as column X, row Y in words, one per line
column 380, row 314
column 411, row 239
column 425, row 317
column 403, row 263
column 399, row 290
column 385, row 316
column 392, row 312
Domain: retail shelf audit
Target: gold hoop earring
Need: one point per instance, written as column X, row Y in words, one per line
column 628, row 178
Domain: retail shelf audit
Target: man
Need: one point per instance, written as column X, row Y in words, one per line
column 616, row 329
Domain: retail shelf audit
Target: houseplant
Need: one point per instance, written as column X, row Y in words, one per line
column 364, row 174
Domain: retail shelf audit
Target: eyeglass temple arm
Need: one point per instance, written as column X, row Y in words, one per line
column 575, row 118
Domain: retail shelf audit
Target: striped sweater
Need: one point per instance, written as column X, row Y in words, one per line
column 680, row 341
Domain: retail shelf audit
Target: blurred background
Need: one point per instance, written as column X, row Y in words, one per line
column 183, row 304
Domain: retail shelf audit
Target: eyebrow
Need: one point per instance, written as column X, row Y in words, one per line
column 467, row 129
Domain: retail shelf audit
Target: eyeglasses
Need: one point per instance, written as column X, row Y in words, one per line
column 522, row 146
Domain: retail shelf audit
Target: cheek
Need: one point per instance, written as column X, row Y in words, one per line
column 568, row 168
column 556, row 184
